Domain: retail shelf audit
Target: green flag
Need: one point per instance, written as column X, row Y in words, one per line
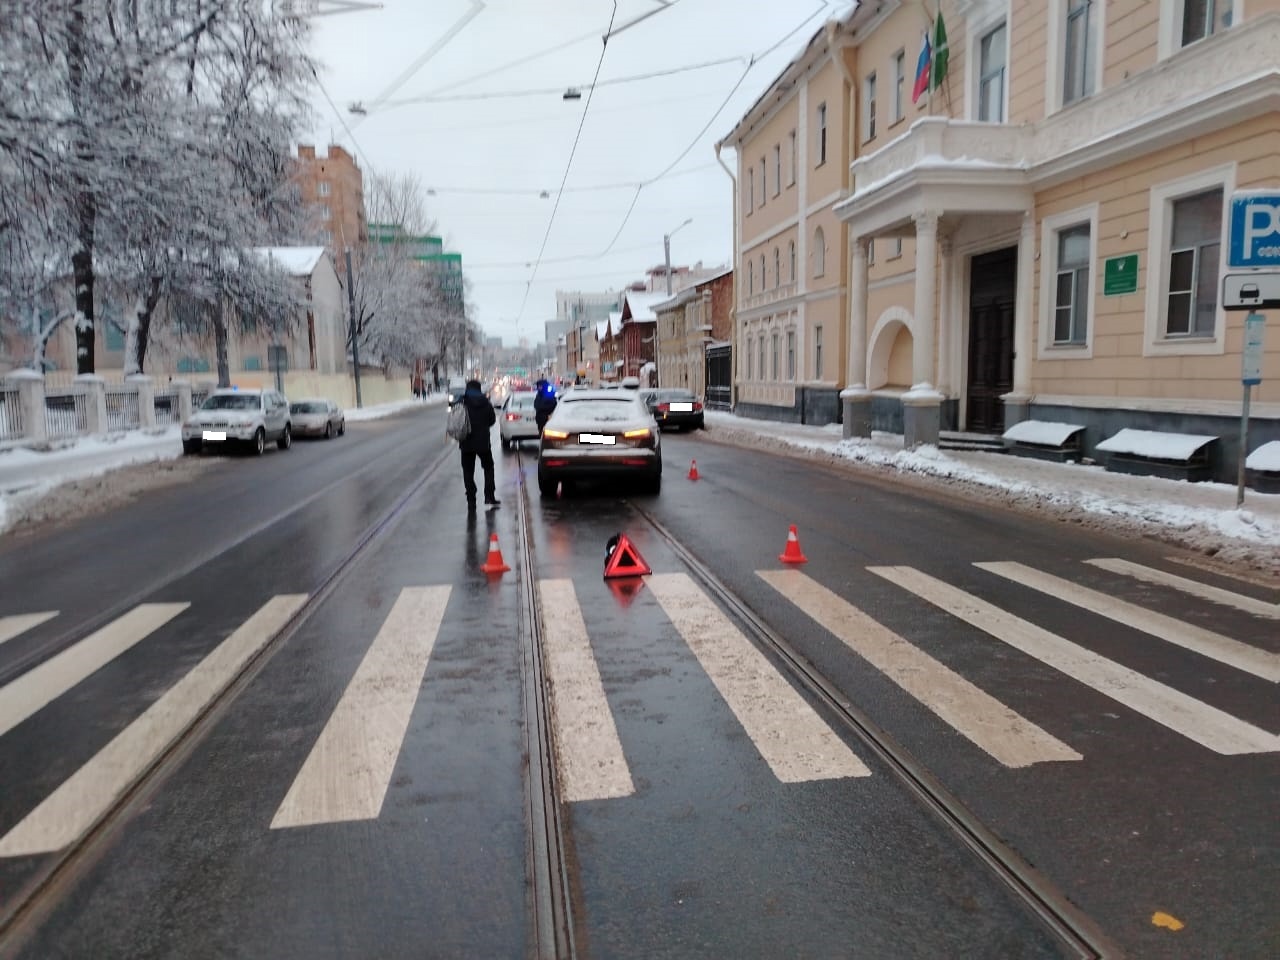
column 940, row 52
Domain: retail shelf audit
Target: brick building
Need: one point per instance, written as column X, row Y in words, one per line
column 333, row 188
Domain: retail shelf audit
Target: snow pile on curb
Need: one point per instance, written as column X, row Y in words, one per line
column 391, row 409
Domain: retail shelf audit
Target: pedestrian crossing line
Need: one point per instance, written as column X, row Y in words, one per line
column 41, row 685
column 346, row 775
column 10, row 627
column 990, row 725
column 1233, row 653
column 64, row 816
column 590, row 761
column 1193, row 719
column 796, row 743
column 1259, row 608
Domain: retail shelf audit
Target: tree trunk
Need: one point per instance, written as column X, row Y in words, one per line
column 220, row 343
column 86, row 206
column 141, row 329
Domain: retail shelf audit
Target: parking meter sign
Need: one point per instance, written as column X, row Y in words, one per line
column 1255, row 230
column 1254, row 325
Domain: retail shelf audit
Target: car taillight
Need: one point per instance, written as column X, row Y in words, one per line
column 696, row 406
column 664, row 407
column 512, row 416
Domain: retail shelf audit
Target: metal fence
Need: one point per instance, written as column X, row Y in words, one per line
column 66, row 413
column 123, row 409
column 166, row 404
column 199, row 394
column 11, row 425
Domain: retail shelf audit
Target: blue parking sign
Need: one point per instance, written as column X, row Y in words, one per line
column 1255, row 230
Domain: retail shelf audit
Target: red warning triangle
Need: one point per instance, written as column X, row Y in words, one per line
column 625, row 561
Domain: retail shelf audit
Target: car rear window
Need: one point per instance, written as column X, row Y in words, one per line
column 307, row 408
column 521, row 403
column 669, row 395
column 603, row 408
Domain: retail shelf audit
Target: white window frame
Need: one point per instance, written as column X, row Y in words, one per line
column 777, row 169
column 791, row 253
column 1050, row 227
column 899, row 86
column 819, row 252
column 1159, row 236
column 776, row 369
column 325, row 212
column 751, row 278
column 760, row 345
column 751, row 188
column 322, row 188
column 978, row 76
column 817, row 352
column 1170, row 37
column 764, row 275
column 1055, row 55
column 795, row 159
column 764, row 180
column 777, row 267
column 869, row 107
column 751, row 359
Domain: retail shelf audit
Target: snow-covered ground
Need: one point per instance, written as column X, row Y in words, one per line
column 45, row 485
column 1200, row 516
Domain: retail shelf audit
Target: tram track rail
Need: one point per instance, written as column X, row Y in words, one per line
column 1074, row 929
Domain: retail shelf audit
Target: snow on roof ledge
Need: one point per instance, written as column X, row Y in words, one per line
column 1154, row 444
column 1265, row 458
column 1042, row 432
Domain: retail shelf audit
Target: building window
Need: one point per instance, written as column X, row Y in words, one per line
column 897, row 249
column 327, row 236
column 871, row 252
column 322, row 188
column 817, row 353
column 899, row 84
column 791, row 182
column 777, row 357
column 764, row 188
column 325, row 212
column 819, row 253
column 1194, row 250
column 1077, row 78
column 751, row 356
column 751, row 189
column 822, row 134
column 791, row 355
column 764, row 285
column 760, row 375
column 252, row 363
column 1201, row 17
column 1071, row 297
column 777, row 169
column 751, row 278
column 791, row 252
column 777, row 267
column 870, row 95
column 994, row 58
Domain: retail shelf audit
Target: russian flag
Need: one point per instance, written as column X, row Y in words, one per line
column 922, row 70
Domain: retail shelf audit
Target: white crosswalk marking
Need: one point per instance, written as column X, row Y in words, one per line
column 345, row 777
column 1206, row 725
column 589, row 757
column 69, row 811
column 1233, row 653
column 10, row 627
column 51, row 679
column 1004, row 734
column 1259, row 608
column 791, row 737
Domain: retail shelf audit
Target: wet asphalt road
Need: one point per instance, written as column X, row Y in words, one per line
column 710, row 854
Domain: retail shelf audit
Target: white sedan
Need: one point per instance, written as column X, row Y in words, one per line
column 517, row 420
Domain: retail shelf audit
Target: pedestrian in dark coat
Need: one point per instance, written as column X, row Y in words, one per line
column 482, row 417
column 544, row 403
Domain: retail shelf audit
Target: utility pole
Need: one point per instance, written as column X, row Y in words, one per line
column 355, row 346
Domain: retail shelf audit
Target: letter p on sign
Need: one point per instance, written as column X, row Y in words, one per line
column 1255, row 231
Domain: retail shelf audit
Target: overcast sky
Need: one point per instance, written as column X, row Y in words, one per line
column 498, row 132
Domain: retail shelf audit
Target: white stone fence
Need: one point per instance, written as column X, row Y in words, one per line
column 30, row 413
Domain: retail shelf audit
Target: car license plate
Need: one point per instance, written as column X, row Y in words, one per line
column 595, row 438
column 681, row 407
column 215, row 435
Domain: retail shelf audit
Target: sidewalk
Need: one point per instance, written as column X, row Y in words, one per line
column 1199, row 516
column 27, row 475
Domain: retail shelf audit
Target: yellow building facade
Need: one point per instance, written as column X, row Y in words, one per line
column 1042, row 235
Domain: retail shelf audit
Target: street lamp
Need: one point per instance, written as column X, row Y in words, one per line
column 666, row 246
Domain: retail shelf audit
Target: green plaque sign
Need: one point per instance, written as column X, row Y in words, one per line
column 1120, row 275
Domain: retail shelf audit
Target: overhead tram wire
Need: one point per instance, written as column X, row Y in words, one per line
column 586, row 108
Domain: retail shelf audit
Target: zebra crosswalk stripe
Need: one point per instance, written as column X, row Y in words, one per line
column 589, row 758
column 1233, row 653
column 42, row 685
column 1197, row 721
column 1259, row 608
column 791, row 737
column 10, row 627
column 346, row 775
column 79, row 801
column 990, row 725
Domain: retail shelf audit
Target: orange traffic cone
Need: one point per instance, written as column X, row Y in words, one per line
column 495, row 563
column 693, row 470
column 792, row 552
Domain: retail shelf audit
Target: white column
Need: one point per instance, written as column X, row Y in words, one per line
column 146, row 399
column 924, row 333
column 30, row 387
column 856, row 374
column 947, row 325
column 1022, row 338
